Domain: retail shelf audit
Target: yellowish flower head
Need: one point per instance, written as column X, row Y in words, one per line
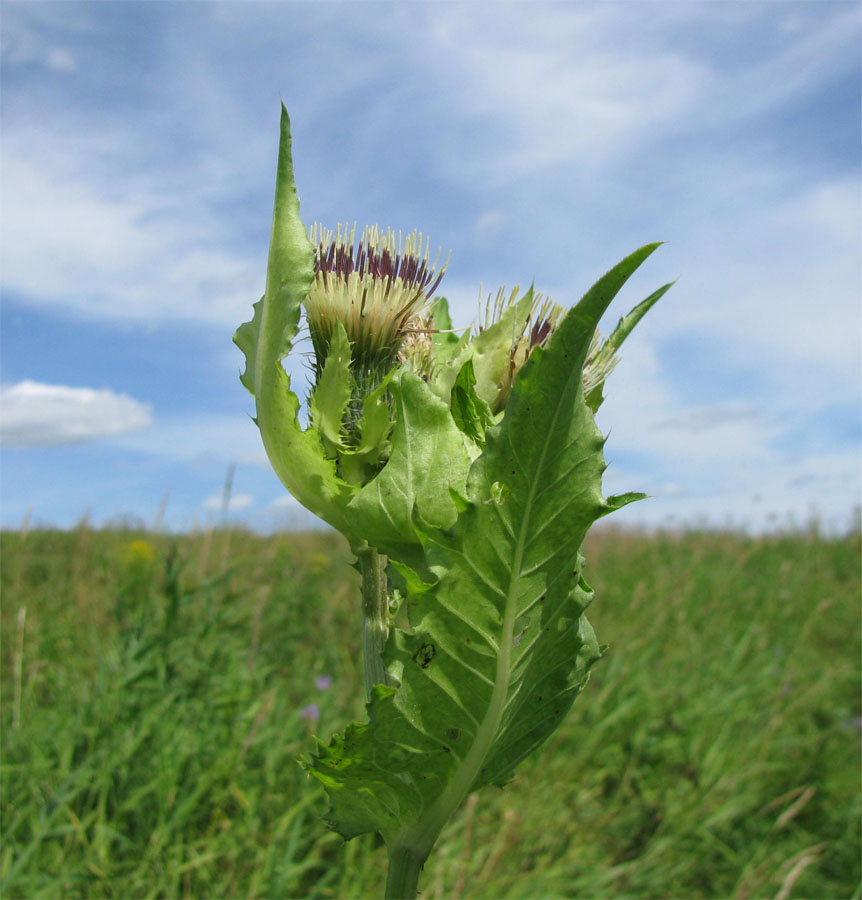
column 139, row 554
column 377, row 287
column 601, row 361
column 536, row 331
column 533, row 332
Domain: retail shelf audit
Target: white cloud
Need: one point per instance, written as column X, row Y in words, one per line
column 44, row 415
column 783, row 280
column 636, row 412
column 195, row 438
column 561, row 104
column 583, row 86
column 72, row 243
column 236, row 503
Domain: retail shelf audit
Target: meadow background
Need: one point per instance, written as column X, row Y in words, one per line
column 158, row 691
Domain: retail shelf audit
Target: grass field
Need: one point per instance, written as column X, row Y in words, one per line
column 157, row 692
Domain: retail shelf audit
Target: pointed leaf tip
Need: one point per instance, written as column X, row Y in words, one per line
column 618, row 501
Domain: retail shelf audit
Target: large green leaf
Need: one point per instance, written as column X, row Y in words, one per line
column 429, row 457
column 297, row 456
column 498, row 645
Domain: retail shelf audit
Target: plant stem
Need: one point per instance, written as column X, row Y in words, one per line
column 405, row 864
column 375, row 616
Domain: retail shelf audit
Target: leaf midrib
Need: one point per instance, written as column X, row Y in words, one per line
column 422, row 834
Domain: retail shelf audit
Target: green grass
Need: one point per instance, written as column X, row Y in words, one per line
column 153, row 698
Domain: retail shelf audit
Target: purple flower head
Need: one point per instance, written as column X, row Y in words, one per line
column 323, row 682
column 310, row 713
column 377, row 287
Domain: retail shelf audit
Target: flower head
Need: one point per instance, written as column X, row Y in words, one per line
column 378, row 288
column 417, row 348
column 310, row 713
column 535, row 331
column 139, row 556
column 601, row 361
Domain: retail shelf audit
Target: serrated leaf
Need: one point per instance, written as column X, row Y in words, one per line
column 499, row 645
column 328, row 401
column 297, row 456
column 429, row 456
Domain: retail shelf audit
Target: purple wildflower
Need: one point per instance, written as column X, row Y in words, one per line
column 310, row 713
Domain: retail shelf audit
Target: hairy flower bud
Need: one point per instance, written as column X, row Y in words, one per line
column 535, row 331
column 531, row 332
column 417, row 348
column 601, row 361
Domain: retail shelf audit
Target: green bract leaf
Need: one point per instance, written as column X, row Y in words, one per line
column 296, row 455
column 328, row 402
column 445, row 342
column 363, row 461
column 470, row 412
column 429, row 458
column 376, row 423
column 489, row 350
column 499, row 646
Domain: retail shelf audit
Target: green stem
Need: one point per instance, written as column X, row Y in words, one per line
column 375, row 616
column 405, row 863
column 402, row 882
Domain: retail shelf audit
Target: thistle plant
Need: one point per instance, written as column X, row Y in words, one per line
column 464, row 468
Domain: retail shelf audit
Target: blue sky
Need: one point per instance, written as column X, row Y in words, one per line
column 540, row 142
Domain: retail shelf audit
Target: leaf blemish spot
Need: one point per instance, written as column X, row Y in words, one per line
column 423, row 656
